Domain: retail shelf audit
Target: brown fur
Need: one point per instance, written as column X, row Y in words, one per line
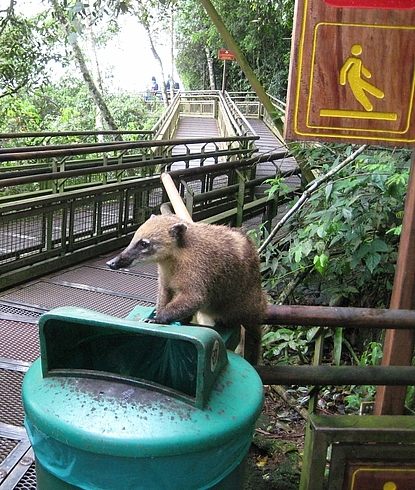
column 202, row 268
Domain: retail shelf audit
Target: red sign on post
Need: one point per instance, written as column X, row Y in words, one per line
column 226, row 54
column 352, row 74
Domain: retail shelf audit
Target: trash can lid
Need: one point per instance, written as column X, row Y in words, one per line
column 121, row 419
column 124, row 387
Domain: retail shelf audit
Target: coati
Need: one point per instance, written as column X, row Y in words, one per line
column 202, row 268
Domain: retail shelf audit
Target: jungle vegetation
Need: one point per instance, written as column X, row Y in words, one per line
column 340, row 248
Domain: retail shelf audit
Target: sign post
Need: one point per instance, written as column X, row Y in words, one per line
column 352, row 80
column 225, row 55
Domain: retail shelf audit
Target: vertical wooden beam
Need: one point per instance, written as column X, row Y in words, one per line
column 399, row 344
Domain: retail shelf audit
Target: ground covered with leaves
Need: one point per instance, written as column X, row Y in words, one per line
column 274, row 461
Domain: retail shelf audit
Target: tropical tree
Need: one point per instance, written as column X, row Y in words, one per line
column 69, row 22
column 154, row 16
column 261, row 29
column 197, row 42
column 66, row 105
column 23, row 53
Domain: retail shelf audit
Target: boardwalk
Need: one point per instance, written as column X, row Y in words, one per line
column 268, row 144
column 90, row 285
column 195, row 127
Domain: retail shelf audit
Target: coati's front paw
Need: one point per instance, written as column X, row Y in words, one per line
column 148, row 320
column 162, row 319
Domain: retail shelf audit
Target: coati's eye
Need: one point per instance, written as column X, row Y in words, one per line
column 143, row 243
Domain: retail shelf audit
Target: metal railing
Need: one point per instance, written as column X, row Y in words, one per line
column 62, row 229
column 46, row 138
column 62, row 167
column 344, row 317
column 110, row 163
column 63, row 203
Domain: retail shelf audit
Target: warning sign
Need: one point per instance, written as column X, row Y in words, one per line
column 352, row 74
column 380, row 478
column 226, row 54
column 373, row 4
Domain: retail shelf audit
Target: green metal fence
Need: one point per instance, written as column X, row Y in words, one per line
column 64, row 203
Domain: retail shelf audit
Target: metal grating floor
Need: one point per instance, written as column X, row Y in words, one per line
column 49, row 295
column 11, row 409
column 91, row 285
column 22, row 341
column 131, row 285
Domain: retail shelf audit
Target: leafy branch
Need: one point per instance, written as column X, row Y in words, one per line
column 308, row 193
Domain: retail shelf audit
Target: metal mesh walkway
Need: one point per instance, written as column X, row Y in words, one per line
column 90, row 285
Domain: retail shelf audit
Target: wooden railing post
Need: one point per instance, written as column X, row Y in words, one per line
column 399, row 344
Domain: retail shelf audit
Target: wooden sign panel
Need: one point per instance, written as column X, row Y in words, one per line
column 380, row 477
column 226, row 54
column 352, row 74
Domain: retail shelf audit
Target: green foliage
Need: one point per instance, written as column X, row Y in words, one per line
column 345, row 237
column 132, row 112
column 24, row 54
column 67, row 105
column 339, row 248
column 195, row 32
column 357, row 395
column 278, row 186
column 261, row 29
column 288, row 346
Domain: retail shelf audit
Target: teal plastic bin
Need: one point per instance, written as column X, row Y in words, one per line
column 124, row 404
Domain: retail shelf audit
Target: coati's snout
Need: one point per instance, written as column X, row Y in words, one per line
column 136, row 251
column 118, row 262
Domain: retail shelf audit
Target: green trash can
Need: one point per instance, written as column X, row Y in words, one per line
column 126, row 404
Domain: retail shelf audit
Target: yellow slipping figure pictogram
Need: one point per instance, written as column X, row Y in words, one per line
column 353, row 72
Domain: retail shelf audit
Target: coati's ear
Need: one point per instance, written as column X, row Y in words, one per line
column 178, row 231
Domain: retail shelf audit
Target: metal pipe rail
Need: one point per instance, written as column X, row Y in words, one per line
column 45, row 152
column 344, row 317
column 42, row 134
column 48, row 174
column 337, row 375
column 240, row 120
column 166, row 124
column 62, row 229
column 329, row 316
column 71, row 214
column 49, row 148
column 245, row 162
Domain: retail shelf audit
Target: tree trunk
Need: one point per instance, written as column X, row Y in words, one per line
column 96, row 73
column 210, row 69
column 93, row 90
column 79, row 57
column 171, row 80
column 162, row 86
